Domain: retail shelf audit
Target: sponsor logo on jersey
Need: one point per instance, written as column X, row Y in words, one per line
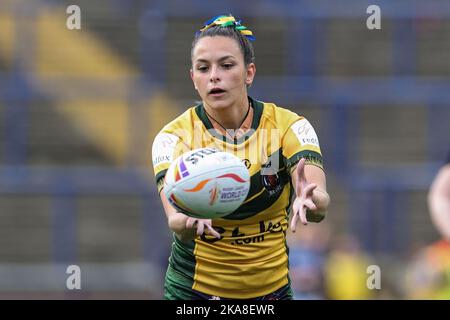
column 163, row 148
column 305, row 133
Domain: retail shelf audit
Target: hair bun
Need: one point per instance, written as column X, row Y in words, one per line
column 227, row 21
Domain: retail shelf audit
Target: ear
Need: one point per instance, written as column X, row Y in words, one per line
column 191, row 73
column 250, row 74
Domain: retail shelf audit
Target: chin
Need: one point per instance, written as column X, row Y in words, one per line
column 218, row 104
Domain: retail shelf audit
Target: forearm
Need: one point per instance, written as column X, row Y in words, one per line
column 319, row 196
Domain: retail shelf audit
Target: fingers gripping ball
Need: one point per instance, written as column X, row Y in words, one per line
column 207, row 183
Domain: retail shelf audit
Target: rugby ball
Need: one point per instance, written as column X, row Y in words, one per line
column 206, row 183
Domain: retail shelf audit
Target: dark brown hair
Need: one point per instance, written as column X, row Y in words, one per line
column 230, row 32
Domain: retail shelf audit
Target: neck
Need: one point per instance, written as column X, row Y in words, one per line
column 230, row 117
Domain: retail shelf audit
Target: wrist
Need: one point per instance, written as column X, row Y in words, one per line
column 315, row 215
column 321, row 199
column 177, row 223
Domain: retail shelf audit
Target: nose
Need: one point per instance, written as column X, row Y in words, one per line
column 214, row 76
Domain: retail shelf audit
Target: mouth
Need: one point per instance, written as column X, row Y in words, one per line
column 216, row 91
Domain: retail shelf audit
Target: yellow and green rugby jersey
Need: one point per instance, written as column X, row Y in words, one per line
column 251, row 258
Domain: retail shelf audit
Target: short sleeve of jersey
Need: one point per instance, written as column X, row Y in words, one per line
column 301, row 141
column 166, row 148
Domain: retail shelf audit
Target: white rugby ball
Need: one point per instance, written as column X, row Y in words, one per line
column 207, row 183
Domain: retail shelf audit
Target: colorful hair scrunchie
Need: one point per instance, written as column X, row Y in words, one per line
column 225, row 21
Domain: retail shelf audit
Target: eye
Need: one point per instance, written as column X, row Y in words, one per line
column 202, row 68
column 228, row 65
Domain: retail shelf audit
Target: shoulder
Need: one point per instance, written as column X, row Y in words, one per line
column 281, row 117
column 175, row 133
column 171, row 141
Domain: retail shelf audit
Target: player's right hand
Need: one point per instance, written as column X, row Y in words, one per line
column 304, row 199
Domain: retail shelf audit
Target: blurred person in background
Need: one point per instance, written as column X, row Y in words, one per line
column 428, row 275
column 439, row 200
column 346, row 270
column 206, row 262
column 308, row 249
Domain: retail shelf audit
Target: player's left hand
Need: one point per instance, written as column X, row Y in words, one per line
column 202, row 225
column 303, row 200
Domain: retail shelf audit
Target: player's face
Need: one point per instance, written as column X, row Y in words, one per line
column 219, row 72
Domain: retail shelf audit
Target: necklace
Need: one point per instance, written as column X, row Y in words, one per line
column 226, row 131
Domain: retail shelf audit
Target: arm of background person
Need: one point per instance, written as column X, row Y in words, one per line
column 439, row 201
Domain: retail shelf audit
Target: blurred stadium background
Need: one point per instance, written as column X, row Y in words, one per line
column 79, row 110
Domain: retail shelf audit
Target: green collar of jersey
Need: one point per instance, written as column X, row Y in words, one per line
column 258, row 107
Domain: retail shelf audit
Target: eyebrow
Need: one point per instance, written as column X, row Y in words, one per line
column 221, row 59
